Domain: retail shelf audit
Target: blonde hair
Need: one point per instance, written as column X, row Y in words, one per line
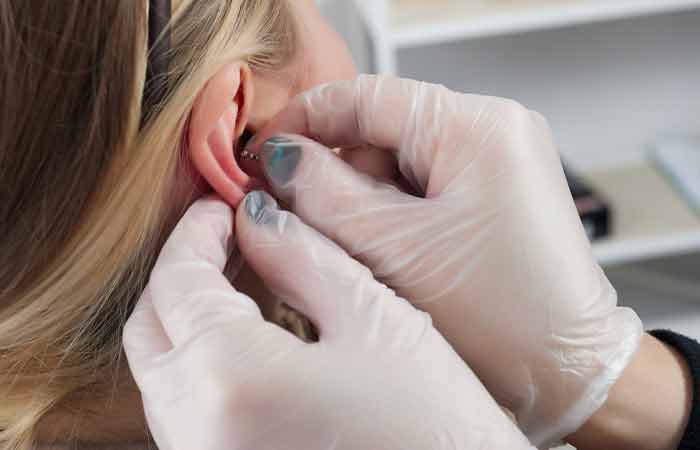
column 88, row 193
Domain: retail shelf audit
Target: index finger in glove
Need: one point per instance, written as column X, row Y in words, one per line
column 371, row 110
column 424, row 125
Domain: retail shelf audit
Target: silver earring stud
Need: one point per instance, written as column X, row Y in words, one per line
column 248, row 156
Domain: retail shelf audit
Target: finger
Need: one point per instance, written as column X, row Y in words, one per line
column 399, row 115
column 190, row 293
column 144, row 338
column 354, row 210
column 370, row 110
column 310, row 272
column 334, row 114
column 436, row 135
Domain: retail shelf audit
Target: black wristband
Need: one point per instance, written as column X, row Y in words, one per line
column 690, row 350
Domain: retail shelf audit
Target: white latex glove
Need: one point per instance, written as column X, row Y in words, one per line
column 493, row 248
column 215, row 376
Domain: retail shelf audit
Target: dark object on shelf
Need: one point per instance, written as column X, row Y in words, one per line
column 594, row 211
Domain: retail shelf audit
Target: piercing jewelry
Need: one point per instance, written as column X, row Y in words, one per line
column 248, row 156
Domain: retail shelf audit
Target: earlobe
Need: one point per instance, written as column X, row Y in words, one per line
column 219, row 118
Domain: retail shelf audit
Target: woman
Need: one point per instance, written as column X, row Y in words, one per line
column 93, row 182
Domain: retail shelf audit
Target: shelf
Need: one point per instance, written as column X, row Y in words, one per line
column 650, row 220
column 423, row 22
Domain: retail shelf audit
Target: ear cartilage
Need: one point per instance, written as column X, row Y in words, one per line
column 248, row 156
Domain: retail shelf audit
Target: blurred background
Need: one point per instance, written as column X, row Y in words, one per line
column 619, row 81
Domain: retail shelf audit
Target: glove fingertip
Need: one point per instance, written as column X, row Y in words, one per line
column 261, row 209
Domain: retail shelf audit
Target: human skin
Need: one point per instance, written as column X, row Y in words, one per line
column 112, row 413
column 648, row 408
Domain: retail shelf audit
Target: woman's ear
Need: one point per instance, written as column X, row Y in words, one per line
column 219, row 118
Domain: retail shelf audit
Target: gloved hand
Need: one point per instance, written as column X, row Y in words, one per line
column 215, row 375
column 492, row 247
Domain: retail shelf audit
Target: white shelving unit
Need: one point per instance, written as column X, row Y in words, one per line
column 398, row 24
column 656, row 224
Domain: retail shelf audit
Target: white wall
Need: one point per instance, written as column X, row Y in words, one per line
column 346, row 20
column 609, row 89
